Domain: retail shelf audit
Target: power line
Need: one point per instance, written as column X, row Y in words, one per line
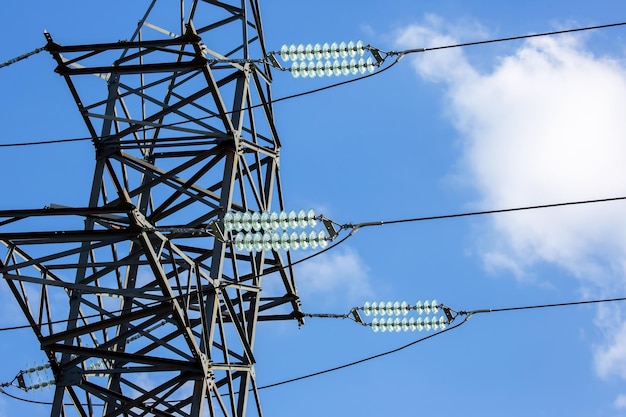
column 21, row 57
column 479, row 311
column 466, row 314
column 354, row 228
column 540, row 306
column 325, row 371
column 95, row 315
column 398, row 54
column 147, row 129
column 26, row 400
column 512, row 38
column 479, row 213
column 369, row 358
column 15, row 397
column 44, row 142
column 408, row 51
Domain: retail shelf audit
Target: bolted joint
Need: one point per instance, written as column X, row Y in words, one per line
column 51, row 46
column 69, row 377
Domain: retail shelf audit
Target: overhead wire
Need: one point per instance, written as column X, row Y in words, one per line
column 15, row 397
column 166, row 125
column 44, row 142
column 398, row 54
column 21, row 57
column 512, row 38
column 353, row 229
column 356, row 227
column 479, row 213
column 91, row 316
column 466, row 316
column 369, row 358
column 542, row 306
column 254, row 106
column 311, row 375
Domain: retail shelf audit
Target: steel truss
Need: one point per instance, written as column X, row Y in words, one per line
column 139, row 300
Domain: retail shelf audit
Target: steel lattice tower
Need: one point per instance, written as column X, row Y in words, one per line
column 139, row 301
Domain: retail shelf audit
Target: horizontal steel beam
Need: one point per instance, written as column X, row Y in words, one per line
column 68, row 211
column 165, row 363
column 132, row 69
column 181, row 40
column 64, row 236
column 103, row 324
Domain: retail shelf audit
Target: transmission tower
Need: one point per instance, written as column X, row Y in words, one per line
column 139, row 300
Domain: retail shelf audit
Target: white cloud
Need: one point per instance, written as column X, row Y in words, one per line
column 442, row 66
column 610, row 355
column 620, row 401
column 610, row 359
column 340, row 275
column 544, row 125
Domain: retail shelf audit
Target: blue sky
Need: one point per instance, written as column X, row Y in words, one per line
column 485, row 127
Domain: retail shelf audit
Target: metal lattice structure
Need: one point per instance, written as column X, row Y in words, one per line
column 139, row 300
